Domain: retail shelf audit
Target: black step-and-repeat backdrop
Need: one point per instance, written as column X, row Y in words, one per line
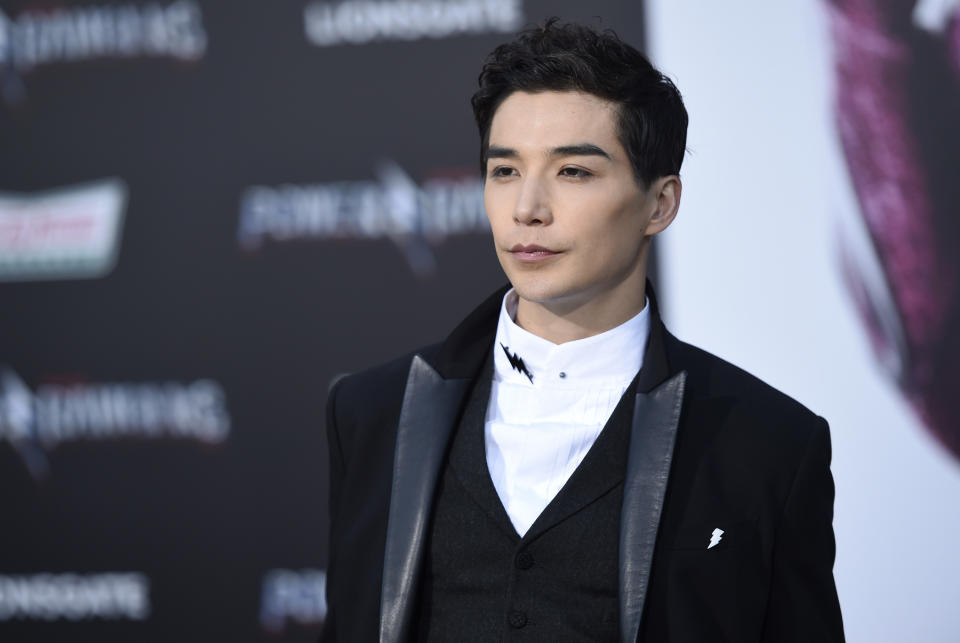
column 208, row 210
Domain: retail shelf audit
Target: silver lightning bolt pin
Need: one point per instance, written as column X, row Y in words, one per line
column 715, row 538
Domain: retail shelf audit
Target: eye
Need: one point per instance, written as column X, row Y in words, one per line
column 573, row 172
column 502, row 171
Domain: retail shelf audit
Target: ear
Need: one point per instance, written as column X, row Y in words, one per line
column 664, row 193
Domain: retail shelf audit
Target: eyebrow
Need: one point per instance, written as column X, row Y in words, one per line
column 578, row 149
column 497, row 152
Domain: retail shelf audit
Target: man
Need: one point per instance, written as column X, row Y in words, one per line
column 561, row 468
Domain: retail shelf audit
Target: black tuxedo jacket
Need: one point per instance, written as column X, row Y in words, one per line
column 711, row 447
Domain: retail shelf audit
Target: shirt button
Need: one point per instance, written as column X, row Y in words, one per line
column 517, row 619
column 524, row 560
column 563, row 375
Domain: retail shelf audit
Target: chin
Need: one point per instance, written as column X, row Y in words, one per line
column 543, row 291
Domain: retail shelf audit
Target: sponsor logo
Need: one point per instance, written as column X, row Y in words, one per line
column 393, row 207
column 38, row 37
column 361, row 21
column 49, row 597
column 35, row 423
column 71, row 34
column 293, row 596
column 66, row 233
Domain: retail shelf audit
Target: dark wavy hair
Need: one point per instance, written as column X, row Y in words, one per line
column 559, row 56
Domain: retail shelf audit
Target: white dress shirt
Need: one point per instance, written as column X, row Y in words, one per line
column 538, row 432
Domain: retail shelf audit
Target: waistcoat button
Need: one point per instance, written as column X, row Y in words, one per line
column 524, row 560
column 517, row 619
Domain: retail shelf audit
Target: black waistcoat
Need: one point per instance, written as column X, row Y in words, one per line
column 483, row 582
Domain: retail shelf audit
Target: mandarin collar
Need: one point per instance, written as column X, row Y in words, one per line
column 603, row 359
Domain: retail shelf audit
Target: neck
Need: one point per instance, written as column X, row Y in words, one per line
column 576, row 318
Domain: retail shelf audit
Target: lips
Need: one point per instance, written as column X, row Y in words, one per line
column 532, row 253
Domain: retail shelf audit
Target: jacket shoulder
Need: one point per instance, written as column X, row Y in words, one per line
column 372, row 397
column 382, row 377
column 714, row 377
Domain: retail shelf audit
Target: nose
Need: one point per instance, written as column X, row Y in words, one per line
column 533, row 204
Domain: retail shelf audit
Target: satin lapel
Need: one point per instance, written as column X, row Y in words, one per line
column 467, row 456
column 427, row 419
column 654, row 431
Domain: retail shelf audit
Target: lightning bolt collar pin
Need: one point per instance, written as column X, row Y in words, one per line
column 715, row 538
column 516, row 362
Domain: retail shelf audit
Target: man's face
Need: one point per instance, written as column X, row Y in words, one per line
column 569, row 218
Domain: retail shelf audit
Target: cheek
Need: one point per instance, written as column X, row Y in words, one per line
column 607, row 225
column 496, row 203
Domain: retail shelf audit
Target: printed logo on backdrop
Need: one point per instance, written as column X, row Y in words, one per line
column 44, row 36
column 66, row 233
column 35, row 423
column 415, row 217
column 75, row 597
column 293, row 596
column 360, row 21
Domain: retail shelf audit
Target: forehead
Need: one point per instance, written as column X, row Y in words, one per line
column 549, row 119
